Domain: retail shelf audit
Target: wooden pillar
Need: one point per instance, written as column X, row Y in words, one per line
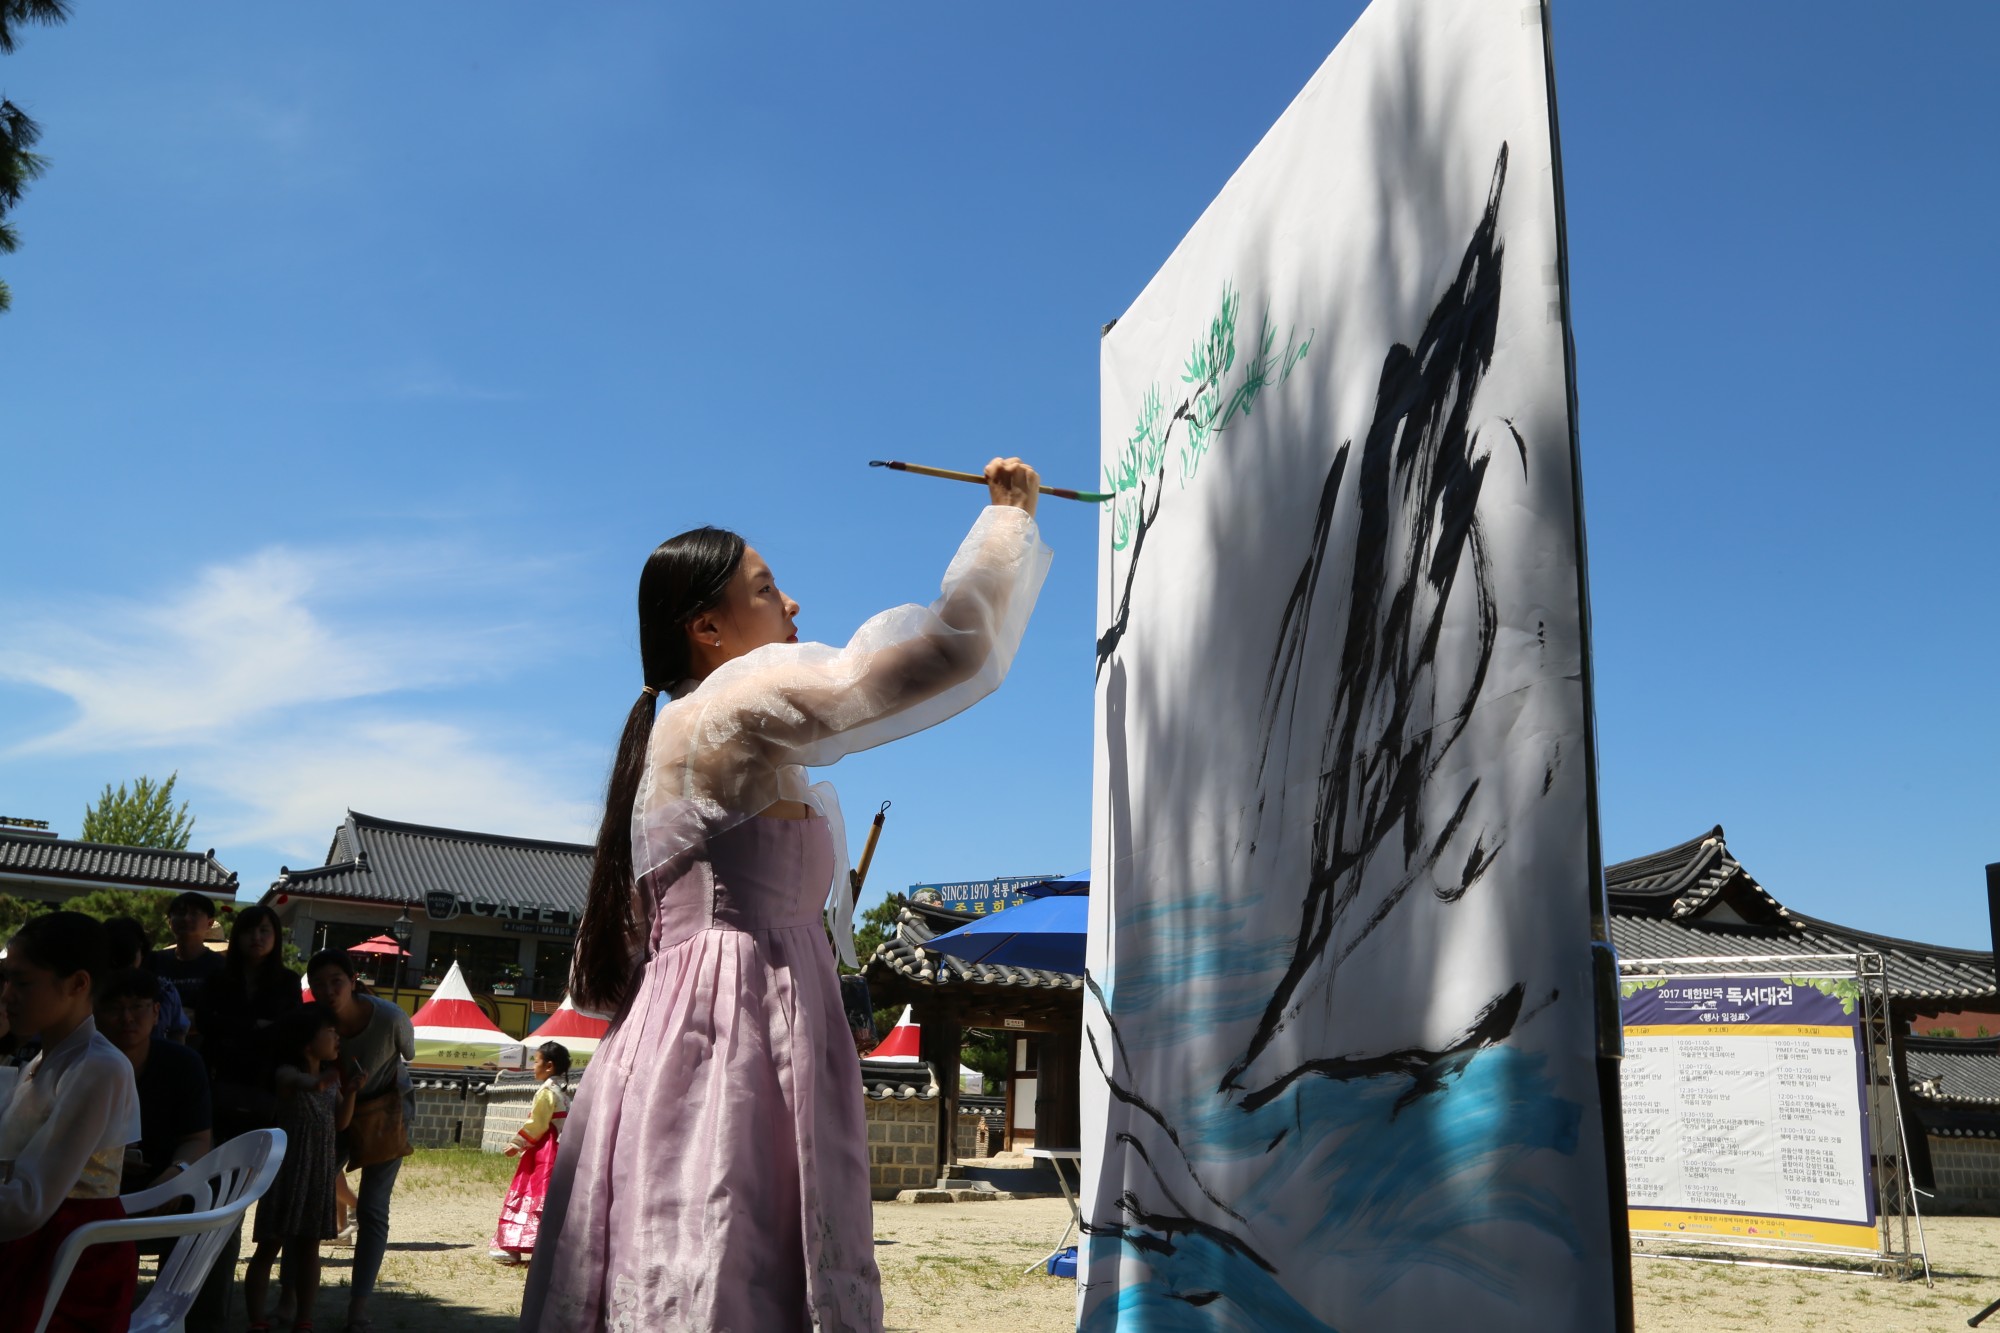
column 1058, row 1101
column 938, row 1046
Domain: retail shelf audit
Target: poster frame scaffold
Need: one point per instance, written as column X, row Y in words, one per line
column 1901, row 1252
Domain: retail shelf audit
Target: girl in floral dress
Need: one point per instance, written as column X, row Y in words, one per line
column 315, row 1102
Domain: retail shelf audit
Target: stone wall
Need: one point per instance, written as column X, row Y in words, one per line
column 902, row 1145
column 1968, row 1173
column 451, row 1110
column 971, row 1135
column 509, row 1099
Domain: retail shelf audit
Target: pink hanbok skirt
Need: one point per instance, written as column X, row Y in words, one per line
column 521, row 1210
column 714, row 1170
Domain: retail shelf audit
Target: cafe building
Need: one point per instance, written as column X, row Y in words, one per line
column 504, row 909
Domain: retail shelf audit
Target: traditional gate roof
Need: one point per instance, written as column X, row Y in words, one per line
column 1696, row 900
column 905, row 954
column 903, row 970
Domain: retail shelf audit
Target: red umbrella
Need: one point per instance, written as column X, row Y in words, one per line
column 380, row 944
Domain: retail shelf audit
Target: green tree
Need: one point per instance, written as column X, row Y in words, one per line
column 989, row 1053
column 142, row 817
column 14, row 913
column 877, row 924
column 19, row 164
column 146, row 906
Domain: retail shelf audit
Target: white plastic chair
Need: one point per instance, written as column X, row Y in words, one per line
column 222, row 1186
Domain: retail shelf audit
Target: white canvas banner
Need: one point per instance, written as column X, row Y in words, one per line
column 1338, row 1065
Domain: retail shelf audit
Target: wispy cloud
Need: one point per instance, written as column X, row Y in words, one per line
column 293, row 684
column 287, row 791
column 278, row 629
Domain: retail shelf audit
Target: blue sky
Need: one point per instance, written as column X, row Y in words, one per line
column 358, row 359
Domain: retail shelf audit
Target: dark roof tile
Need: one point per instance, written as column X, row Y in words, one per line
column 129, row 867
column 1665, row 906
column 382, row 860
column 905, row 953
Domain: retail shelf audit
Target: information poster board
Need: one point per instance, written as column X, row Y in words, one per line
column 1745, row 1103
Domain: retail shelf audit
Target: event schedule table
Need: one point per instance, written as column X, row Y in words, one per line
column 1736, row 1125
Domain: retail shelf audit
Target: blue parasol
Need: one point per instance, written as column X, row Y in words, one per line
column 1045, row 933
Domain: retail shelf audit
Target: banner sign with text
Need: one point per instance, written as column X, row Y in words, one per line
column 983, row 897
column 1746, row 1111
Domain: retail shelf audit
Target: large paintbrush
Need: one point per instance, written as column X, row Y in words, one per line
column 1061, row 493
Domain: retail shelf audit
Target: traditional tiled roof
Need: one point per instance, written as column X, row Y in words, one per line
column 382, row 860
column 902, row 1080
column 1961, row 1070
column 35, row 857
column 918, row 923
column 1695, row 900
column 1689, row 879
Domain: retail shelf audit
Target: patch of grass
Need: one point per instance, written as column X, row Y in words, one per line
column 451, row 1170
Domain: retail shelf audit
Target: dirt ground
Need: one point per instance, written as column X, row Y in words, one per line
column 958, row 1266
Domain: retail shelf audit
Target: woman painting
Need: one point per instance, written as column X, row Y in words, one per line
column 714, row 1170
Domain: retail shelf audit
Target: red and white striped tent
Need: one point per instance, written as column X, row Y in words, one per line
column 578, row 1031
column 902, row 1041
column 453, row 1030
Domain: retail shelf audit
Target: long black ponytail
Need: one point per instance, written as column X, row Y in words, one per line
column 684, row 576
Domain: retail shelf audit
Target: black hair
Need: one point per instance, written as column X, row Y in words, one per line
column 201, row 902
column 236, row 964
column 556, row 1054
column 65, row 943
column 341, row 959
column 296, row 1030
column 129, row 983
column 129, row 941
column 683, row 577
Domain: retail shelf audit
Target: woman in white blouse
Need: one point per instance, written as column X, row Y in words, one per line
column 63, row 1132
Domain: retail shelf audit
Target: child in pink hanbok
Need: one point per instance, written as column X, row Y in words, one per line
column 535, row 1144
column 714, row 1169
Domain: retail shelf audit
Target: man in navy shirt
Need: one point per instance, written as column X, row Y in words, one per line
column 190, row 963
column 173, row 1082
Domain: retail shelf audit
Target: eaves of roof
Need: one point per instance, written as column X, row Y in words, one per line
column 123, row 867
column 1961, row 1071
column 905, row 954
column 382, row 860
column 899, row 1080
column 1916, row 972
column 1689, row 879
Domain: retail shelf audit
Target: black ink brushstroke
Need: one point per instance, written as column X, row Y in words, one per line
column 1107, row 642
column 1420, row 467
column 1426, row 1070
column 1387, row 732
column 1166, row 1190
column 1153, row 1113
column 1296, row 620
column 1168, row 1225
column 1519, row 443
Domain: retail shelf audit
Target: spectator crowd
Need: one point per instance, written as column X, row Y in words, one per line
column 122, row 1066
